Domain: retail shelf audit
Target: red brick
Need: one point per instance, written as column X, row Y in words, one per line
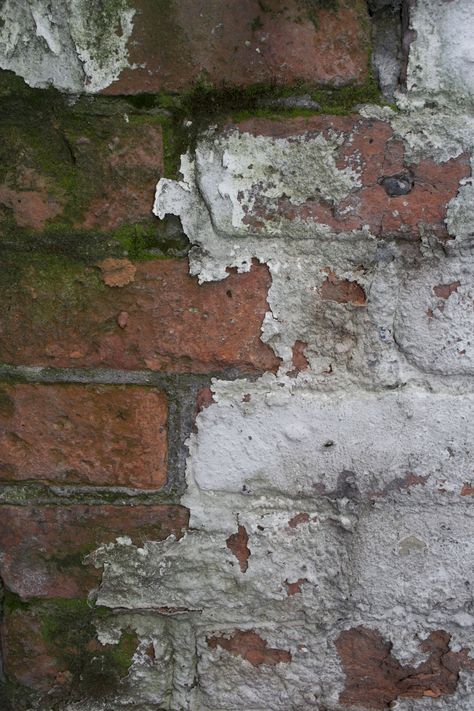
column 84, row 434
column 300, row 361
column 162, row 320
column 444, row 291
column 244, row 42
column 294, row 588
column 342, row 291
column 375, row 678
column 204, row 399
column 42, row 547
column 370, row 148
column 110, row 168
column 248, row 645
column 52, row 647
column 30, row 207
column 237, row 543
column 298, row 519
column 132, row 167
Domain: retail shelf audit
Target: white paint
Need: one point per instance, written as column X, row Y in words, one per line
column 372, row 443
column 75, row 45
column 261, row 168
column 442, row 55
column 379, row 438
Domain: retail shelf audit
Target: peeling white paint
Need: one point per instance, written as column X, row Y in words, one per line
column 442, row 55
column 348, row 477
column 380, row 475
column 260, row 168
column 75, row 45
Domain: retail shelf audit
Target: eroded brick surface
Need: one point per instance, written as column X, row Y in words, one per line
column 250, row 646
column 61, row 168
column 162, row 320
column 75, row 434
column 237, row 543
column 52, row 648
column 371, row 150
column 342, row 291
column 244, row 42
column 375, row 678
column 318, row 365
column 43, row 547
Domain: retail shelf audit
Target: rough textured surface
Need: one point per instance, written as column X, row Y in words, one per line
column 135, row 46
column 311, row 547
column 66, row 170
column 375, row 678
column 75, row 435
column 76, row 46
column 53, row 648
column 340, row 185
column 43, row 547
column 150, row 315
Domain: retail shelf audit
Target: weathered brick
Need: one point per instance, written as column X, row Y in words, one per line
column 391, row 195
column 237, row 543
column 77, row 434
column 435, row 317
column 70, row 170
column 342, row 291
column 162, row 320
column 52, row 647
column 131, row 167
column 248, row 645
column 244, row 42
column 42, row 547
column 375, row 678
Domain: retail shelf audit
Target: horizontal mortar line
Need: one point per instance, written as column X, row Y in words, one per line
column 112, row 376
column 170, row 381
column 8, row 498
column 160, row 610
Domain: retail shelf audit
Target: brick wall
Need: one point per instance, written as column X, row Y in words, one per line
column 236, row 351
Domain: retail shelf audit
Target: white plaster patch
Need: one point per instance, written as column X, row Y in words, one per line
column 346, row 446
column 395, row 553
column 434, row 322
column 442, row 55
column 76, row 46
column 238, row 172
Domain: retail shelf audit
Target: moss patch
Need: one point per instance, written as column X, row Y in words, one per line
column 60, row 636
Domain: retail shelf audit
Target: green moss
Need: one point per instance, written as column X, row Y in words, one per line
column 71, row 560
column 63, row 631
column 345, row 99
column 144, row 242
column 122, row 653
column 313, row 8
column 68, row 147
column 55, row 288
column 256, row 24
column 13, row 602
column 68, row 629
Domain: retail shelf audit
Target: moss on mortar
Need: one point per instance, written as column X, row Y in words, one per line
column 66, row 146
